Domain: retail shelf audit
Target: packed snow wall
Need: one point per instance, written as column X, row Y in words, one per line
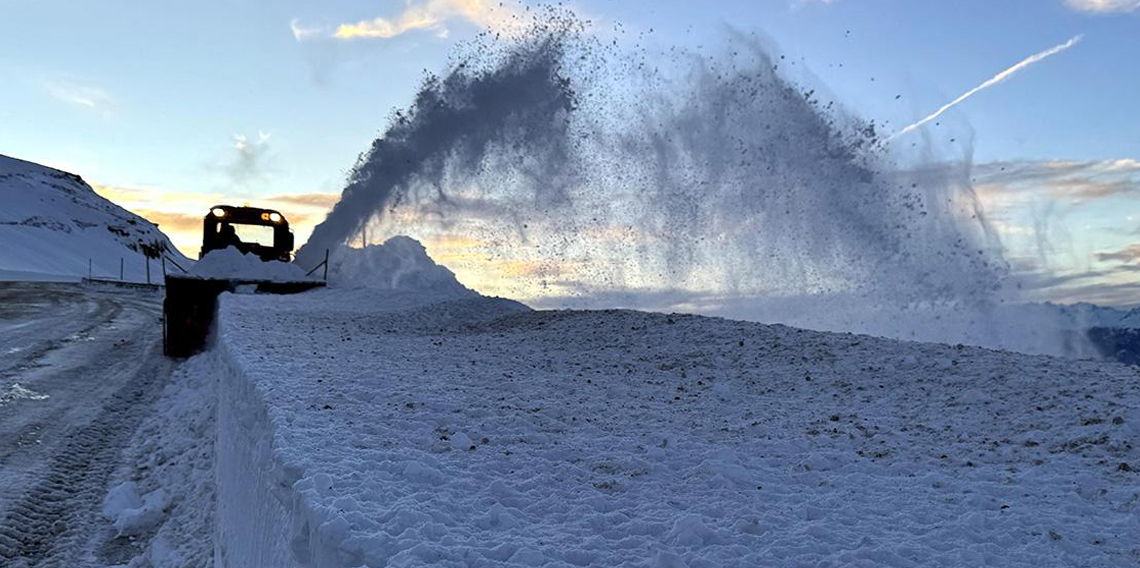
column 254, row 521
column 269, row 407
column 375, row 428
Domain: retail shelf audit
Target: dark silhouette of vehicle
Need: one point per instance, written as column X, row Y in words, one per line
column 219, row 232
column 188, row 310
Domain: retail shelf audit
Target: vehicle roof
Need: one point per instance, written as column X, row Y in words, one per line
column 243, row 208
column 245, row 214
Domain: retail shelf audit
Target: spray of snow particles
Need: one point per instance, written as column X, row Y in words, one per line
column 581, row 175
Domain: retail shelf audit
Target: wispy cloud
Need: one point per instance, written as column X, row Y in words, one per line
column 1065, row 225
column 173, row 222
column 250, row 160
column 1092, row 6
column 302, row 32
column 1103, row 6
column 83, row 96
column 996, row 79
column 431, row 15
column 1072, row 182
column 316, row 200
column 1128, row 254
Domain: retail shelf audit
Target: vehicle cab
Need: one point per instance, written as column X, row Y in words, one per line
column 262, row 232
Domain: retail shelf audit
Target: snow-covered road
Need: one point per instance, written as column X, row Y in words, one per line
column 79, row 370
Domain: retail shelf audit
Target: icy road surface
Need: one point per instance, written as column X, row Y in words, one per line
column 79, row 369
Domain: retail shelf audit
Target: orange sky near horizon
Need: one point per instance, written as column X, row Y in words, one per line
column 179, row 214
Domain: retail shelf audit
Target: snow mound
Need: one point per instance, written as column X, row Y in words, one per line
column 52, row 224
column 230, row 263
column 400, row 264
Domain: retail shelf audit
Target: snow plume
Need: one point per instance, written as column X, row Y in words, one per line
column 565, row 172
column 522, row 101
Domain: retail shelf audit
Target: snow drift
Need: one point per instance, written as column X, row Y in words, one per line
column 52, row 223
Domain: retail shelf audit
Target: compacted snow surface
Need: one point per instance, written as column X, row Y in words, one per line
column 385, row 428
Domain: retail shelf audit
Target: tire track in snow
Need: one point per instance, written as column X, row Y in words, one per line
column 97, row 356
column 50, row 526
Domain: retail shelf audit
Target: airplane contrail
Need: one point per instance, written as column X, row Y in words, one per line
column 1000, row 77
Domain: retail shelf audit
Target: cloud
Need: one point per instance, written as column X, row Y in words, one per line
column 172, row 222
column 1128, row 254
column 250, row 160
column 317, row 200
column 151, row 198
column 1044, row 280
column 180, row 213
column 1072, row 182
column 1092, row 6
column 1123, row 295
column 431, row 15
column 996, row 79
column 1103, row 6
column 83, row 96
column 302, row 32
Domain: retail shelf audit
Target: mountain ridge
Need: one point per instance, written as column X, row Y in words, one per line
column 54, row 226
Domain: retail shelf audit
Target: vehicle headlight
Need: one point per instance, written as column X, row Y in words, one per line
column 275, row 217
column 218, row 212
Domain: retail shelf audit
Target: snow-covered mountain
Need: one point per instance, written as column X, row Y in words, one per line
column 1130, row 320
column 1084, row 315
column 52, row 224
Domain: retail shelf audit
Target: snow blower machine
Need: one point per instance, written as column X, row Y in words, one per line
column 192, row 297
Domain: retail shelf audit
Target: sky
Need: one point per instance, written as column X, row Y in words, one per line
column 170, row 107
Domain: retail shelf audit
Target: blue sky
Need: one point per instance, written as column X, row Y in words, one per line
column 169, row 105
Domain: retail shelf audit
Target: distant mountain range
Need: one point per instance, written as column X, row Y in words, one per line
column 53, row 226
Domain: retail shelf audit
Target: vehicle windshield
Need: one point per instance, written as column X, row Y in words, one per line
column 250, row 234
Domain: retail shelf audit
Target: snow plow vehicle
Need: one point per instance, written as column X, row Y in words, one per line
column 249, row 250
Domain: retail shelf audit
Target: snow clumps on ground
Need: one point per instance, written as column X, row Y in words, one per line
column 162, row 508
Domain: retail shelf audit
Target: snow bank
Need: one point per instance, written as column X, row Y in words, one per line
column 401, row 263
column 259, row 523
column 473, row 432
column 164, row 501
column 230, row 263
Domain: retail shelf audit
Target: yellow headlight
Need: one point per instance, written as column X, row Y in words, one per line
column 218, row 212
